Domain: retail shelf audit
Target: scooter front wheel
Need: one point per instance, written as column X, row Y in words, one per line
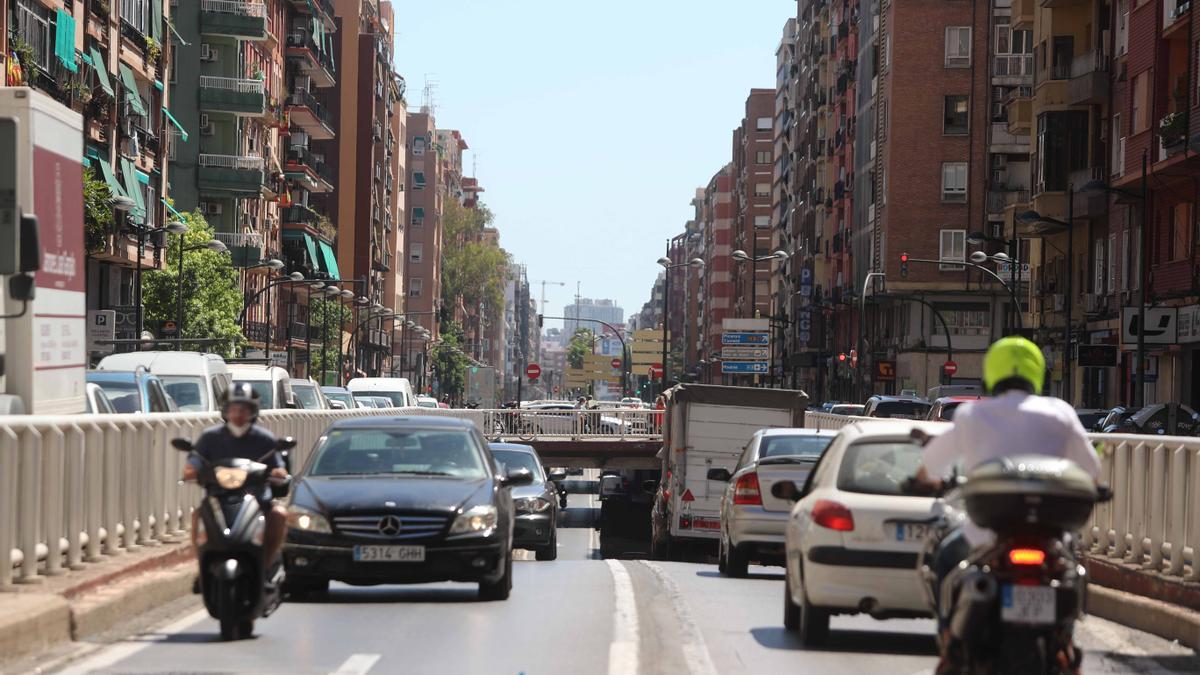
column 227, row 610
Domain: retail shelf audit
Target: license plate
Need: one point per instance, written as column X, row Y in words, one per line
column 700, row 523
column 1027, row 604
column 389, row 554
column 911, row 531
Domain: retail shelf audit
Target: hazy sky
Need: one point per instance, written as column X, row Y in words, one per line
column 591, row 124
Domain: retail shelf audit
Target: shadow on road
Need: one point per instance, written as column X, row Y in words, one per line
column 1168, row 663
column 767, row 576
column 392, row 594
column 578, row 516
column 915, row 644
column 182, row 638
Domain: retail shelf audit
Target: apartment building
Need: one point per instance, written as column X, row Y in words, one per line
column 753, row 166
column 425, row 201
column 716, row 294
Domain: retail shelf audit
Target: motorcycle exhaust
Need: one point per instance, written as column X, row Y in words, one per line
column 972, row 608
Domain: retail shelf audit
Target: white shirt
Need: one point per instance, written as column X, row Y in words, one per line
column 1014, row 423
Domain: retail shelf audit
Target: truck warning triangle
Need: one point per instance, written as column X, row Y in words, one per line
column 687, row 496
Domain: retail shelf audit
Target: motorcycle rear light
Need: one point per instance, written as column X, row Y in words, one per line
column 832, row 515
column 1027, row 556
column 746, row 491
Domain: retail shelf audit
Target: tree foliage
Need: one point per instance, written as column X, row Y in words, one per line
column 472, row 269
column 449, row 364
column 324, row 318
column 581, row 343
column 212, row 299
column 97, row 211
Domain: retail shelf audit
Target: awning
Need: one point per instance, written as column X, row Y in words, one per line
column 132, row 94
column 178, row 37
column 171, row 208
column 182, row 132
column 114, row 186
column 64, row 40
column 309, row 244
column 133, row 191
column 101, row 68
column 331, row 266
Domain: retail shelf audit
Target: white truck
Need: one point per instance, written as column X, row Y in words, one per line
column 43, row 307
column 481, row 387
column 708, row 426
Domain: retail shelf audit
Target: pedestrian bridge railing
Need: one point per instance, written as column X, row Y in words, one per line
column 75, row 488
column 1153, row 519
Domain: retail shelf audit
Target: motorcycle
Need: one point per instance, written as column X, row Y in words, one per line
column 234, row 579
column 1013, row 605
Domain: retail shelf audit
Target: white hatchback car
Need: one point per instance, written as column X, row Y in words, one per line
column 853, row 538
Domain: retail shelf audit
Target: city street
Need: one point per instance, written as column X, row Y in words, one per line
column 578, row 614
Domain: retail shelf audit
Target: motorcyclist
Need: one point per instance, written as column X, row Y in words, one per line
column 240, row 437
column 1014, row 421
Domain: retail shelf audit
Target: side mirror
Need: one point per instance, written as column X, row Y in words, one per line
column 649, row 486
column 31, row 248
column 181, row 444
column 21, row 287
column 337, row 405
column 721, row 475
column 285, row 443
column 786, row 489
column 517, row 478
column 558, row 475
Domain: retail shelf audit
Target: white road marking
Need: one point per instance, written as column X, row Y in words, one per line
column 623, row 652
column 691, row 640
column 357, row 664
column 122, row 650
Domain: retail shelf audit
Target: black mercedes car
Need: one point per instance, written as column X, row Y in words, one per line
column 386, row 500
column 536, row 504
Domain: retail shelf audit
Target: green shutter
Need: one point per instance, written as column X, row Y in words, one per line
column 156, row 21
column 331, row 266
column 114, row 186
column 101, row 68
column 133, row 190
column 183, row 135
column 64, row 40
column 131, row 92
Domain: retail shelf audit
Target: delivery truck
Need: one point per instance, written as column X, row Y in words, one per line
column 708, row 426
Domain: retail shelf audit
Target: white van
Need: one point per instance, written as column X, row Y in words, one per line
column 398, row 389
column 272, row 383
column 195, row 380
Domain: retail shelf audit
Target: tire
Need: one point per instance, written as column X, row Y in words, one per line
column 791, row 612
column 722, row 565
column 245, row 630
column 502, row 587
column 1022, row 652
column 227, row 610
column 550, row 550
column 737, row 563
column 813, row 621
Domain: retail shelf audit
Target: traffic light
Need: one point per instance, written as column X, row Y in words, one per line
column 540, row 320
column 903, row 265
column 842, row 357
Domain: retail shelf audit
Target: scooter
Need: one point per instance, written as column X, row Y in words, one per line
column 235, row 581
column 1012, row 606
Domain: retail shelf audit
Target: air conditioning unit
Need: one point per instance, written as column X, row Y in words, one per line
column 208, row 52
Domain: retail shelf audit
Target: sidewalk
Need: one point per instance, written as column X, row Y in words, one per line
column 35, row 617
column 1144, row 599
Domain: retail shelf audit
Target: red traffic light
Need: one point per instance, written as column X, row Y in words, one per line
column 842, row 357
column 903, row 257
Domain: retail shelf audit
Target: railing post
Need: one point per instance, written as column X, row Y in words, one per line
column 76, row 497
column 1156, row 532
column 1137, row 512
column 1193, row 513
column 93, row 489
column 29, row 515
column 53, row 494
column 9, row 513
column 1177, row 505
column 1121, row 500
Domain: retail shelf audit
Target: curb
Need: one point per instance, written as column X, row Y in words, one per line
column 100, row 610
column 42, row 620
column 1151, row 616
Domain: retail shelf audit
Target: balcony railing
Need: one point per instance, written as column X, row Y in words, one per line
column 231, row 162
column 1014, row 65
column 238, row 7
column 241, row 85
column 232, row 239
column 305, row 99
column 237, row 95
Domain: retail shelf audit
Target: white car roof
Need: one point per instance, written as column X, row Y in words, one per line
column 256, row 372
column 797, row 431
column 165, row 363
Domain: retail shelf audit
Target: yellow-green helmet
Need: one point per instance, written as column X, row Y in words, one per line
column 1014, row 356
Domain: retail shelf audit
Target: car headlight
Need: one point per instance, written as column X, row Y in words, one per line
column 300, row 518
column 475, row 520
column 230, row 478
column 531, row 504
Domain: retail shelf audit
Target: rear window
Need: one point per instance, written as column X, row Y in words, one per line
column 908, row 410
column 125, row 396
column 266, row 395
column 804, row 446
column 878, row 468
column 307, row 396
column 948, row 410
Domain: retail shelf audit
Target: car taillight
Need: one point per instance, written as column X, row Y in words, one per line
column 746, row 491
column 1027, row 556
column 832, row 515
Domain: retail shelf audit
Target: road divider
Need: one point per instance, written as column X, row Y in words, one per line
column 691, row 640
column 623, row 651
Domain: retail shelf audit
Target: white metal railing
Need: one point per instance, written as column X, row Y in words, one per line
column 239, row 238
column 1153, row 520
column 231, row 161
column 242, row 85
column 239, row 7
column 605, row 423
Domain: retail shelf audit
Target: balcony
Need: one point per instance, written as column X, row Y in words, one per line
column 234, row 18
column 1020, row 112
column 237, row 95
column 310, row 57
column 302, row 217
column 230, row 173
column 1089, row 79
column 307, row 113
column 322, row 10
column 1002, row 198
column 308, row 170
column 245, row 248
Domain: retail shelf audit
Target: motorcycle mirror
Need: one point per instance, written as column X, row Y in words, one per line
column 785, row 489
column 285, row 443
column 1103, row 494
column 181, row 444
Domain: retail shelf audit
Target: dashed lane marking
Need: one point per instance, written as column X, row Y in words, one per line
column 691, row 640
column 357, row 664
column 623, row 652
column 110, row 656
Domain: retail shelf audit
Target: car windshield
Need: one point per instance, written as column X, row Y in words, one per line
column 396, row 397
column 342, row 396
column 948, row 410
column 511, row 460
column 307, row 395
column 878, row 468
column 266, row 397
column 189, row 391
column 909, row 410
column 378, row 451
column 426, row 403
column 807, row 445
column 125, row 396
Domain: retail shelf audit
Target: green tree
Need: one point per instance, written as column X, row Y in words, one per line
column 472, row 269
column 449, row 364
column 580, row 344
column 97, row 211
column 212, row 299
column 324, row 356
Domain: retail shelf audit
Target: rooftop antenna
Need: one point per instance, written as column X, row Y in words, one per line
column 429, row 94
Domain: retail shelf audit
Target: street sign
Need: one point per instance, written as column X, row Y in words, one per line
column 656, row 370
column 885, row 371
column 745, row 353
column 1160, row 324
column 102, row 325
column 950, row 368
column 728, row 338
column 279, row 359
column 744, row 367
column 616, row 363
column 533, row 371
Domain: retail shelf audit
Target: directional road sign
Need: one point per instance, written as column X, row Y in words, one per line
column 744, row 366
column 729, row 338
column 745, row 353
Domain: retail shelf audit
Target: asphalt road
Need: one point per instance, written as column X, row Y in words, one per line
column 579, row 614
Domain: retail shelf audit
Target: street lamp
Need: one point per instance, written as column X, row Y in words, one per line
column 666, row 264
column 124, row 204
column 1036, row 219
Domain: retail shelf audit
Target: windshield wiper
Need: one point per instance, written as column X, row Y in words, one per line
column 419, row 473
column 787, row 459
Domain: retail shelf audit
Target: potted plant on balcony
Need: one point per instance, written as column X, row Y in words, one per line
column 153, row 51
column 1172, row 130
column 26, row 71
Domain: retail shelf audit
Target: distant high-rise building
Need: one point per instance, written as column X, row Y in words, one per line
column 595, row 310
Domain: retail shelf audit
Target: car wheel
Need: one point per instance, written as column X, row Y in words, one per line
column 737, row 562
column 814, row 621
column 550, row 550
column 499, row 589
column 722, row 566
column 791, row 613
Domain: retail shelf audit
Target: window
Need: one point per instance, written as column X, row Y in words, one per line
column 953, row 247
column 958, row 46
column 1062, row 148
column 1140, row 105
column 414, row 287
column 1062, row 55
column 418, row 216
column 1181, row 231
column 1116, row 143
column 1125, row 260
column 762, row 221
column 1122, row 27
column 418, row 146
column 1098, row 267
column 1013, row 52
column 416, row 252
column 34, row 24
column 1136, row 278
column 764, row 124
column 1111, row 285
column 763, row 157
column 968, row 319
column 954, row 181
column 418, row 180
column 762, row 189
column 955, row 120
column 136, row 13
